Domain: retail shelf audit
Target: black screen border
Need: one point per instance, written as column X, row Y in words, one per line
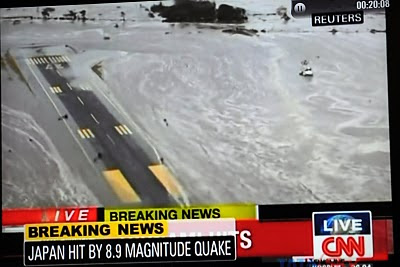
column 297, row 211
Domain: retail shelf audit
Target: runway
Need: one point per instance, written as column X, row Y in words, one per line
column 129, row 171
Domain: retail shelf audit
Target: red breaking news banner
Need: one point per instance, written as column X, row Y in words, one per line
column 295, row 238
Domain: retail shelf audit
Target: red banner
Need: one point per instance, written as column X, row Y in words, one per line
column 19, row 217
column 295, row 238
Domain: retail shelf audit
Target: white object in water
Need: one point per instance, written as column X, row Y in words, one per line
column 306, row 72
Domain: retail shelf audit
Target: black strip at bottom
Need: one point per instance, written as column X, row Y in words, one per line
column 304, row 211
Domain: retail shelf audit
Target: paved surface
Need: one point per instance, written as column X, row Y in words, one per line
column 126, row 167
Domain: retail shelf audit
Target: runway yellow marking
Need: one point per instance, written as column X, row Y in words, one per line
column 36, row 63
column 55, row 89
column 94, row 118
column 90, row 133
column 127, row 129
column 53, row 60
column 69, row 86
column 80, row 100
column 166, row 178
column 28, row 61
column 123, row 129
column 85, row 133
column 118, row 130
column 121, row 186
column 32, row 62
column 42, row 61
column 81, row 134
column 45, row 60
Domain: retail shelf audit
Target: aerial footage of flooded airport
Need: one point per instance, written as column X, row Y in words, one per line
column 191, row 103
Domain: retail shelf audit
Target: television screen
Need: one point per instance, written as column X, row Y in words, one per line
column 194, row 102
column 134, row 102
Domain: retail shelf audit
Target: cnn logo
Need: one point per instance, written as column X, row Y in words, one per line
column 334, row 247
column 344, row 235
